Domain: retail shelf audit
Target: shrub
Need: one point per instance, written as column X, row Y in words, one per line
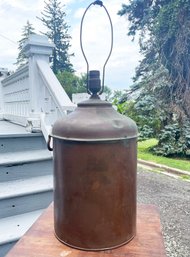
column 145, row 112
column 174, row 140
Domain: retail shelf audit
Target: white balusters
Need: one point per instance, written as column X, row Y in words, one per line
column 32, row 96
column 16, row 99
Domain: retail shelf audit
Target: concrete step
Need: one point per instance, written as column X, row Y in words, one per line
column 26, row 195
column 14, row 227
column 22, row 142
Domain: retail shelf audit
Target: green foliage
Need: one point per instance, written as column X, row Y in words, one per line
column 145, row 112
column 149, row 116
column 26, row 32
column 117, row 96
column 163, row 28
column 71, row 83
column 74, row 84
column 53, row 17
column 145, row 132
column 174, row 140
column 108, row 93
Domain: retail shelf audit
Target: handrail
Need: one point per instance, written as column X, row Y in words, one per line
column 56, row 101
column 20, row 73
column 58, row 94
column 33, row 96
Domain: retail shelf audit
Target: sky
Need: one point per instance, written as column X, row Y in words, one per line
column 96, row 37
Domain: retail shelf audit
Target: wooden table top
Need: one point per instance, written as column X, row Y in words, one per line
column 40, row 241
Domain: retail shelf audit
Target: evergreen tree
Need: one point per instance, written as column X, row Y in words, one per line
column 26, row 32
column 53, row 17
column 163, row 29
column 164, row 32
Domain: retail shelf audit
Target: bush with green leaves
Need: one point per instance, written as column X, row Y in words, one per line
column 71, row 83
column 145, row 112
column 174, row 140
column 155, row 121
column 146, row 132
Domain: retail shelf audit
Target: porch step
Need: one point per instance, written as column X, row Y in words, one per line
column 9, row 129
column 26, row 181
column 32, row 168
column 26, row 186
column 20, row 157
column 14, row 227
column 25, row 195
column 22, row 142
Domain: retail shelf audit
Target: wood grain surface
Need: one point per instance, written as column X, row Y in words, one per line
column 40, row 241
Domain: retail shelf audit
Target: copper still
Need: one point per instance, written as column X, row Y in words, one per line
column 95, row 159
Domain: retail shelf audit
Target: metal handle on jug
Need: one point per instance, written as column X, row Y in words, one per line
column 49, row 144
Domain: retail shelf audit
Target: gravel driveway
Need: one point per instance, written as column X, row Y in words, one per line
column 172, row 196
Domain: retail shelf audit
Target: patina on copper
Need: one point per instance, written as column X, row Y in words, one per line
column 95, row 159
column 95, row 177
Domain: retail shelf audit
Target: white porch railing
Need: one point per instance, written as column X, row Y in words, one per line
column 3, row 75
column 32, row 96
column 16, row 99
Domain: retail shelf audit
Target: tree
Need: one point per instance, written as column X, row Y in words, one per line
column 108, row 93
column 74, row 84
column 71, row 83
column 163, row 27
column 143, row 110
column 26, row 32
column 53, row 17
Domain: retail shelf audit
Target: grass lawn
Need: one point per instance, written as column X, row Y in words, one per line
column 144, row 154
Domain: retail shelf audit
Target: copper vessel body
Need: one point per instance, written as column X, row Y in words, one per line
column 94, row 181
